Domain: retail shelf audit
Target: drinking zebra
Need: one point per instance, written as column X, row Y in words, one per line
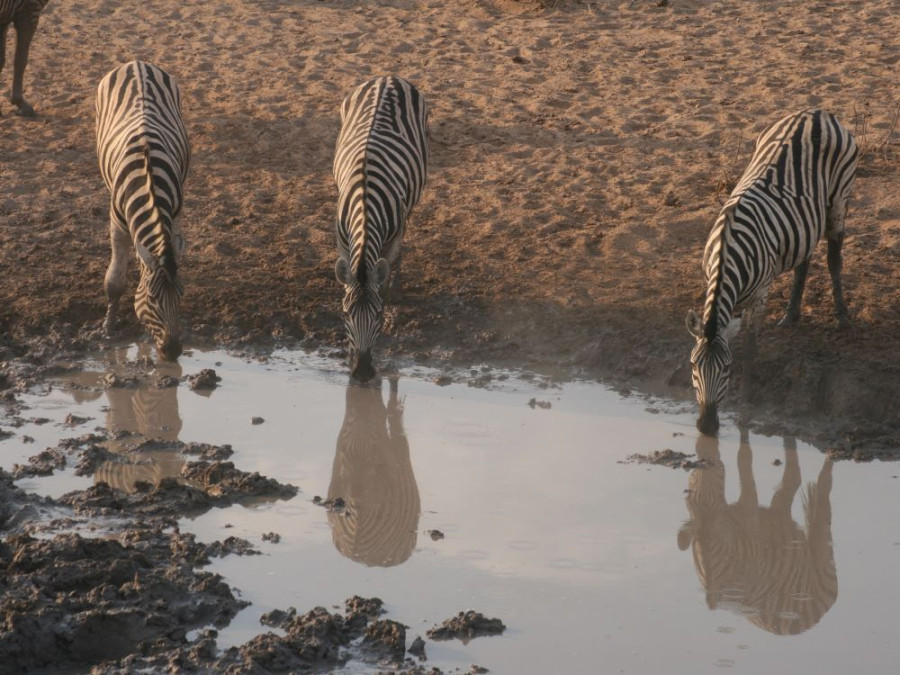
column 380, row 165
column 24, row 15
column 794, row 192
column 144, row 155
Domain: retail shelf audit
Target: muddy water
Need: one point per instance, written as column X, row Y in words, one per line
column 769, row 556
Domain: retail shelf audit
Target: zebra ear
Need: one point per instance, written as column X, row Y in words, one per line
column 694, row 324
column 342, row 270
column 382, row 271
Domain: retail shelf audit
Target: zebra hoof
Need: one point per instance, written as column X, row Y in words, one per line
column 24, row 110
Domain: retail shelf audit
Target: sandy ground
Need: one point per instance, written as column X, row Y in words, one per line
column 581, row 151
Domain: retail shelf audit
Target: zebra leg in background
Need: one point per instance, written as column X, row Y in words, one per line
column 25, row 24
column 114, row 282
column 835, row 262
column 793, row 311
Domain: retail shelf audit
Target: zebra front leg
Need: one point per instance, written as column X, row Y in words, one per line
column 25, row 25
column 114, row 282
column 393, row 285
column 835, row 262
column 793, row 310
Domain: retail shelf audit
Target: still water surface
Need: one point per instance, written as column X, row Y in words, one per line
column 594, row 564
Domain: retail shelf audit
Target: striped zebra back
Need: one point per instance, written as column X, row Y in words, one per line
column 802, row 166
column 380, row 166
column 139, row 106
column 755, row 560
column 373, row 474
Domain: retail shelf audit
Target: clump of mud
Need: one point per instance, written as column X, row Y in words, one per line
column 465, row 626
column 670, row 458
column 318, row 640
column 206, row 379
column 69, row 601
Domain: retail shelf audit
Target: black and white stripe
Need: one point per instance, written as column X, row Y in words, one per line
column 144, row 155
column 757, row 560
column 794, row 192
column 24, row 16
column 380, row 165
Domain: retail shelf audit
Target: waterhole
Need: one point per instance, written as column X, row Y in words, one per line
column 513, row 496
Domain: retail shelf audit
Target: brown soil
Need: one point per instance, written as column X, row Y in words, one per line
column 580, row 154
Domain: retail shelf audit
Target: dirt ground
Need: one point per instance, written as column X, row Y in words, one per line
column 581, row 151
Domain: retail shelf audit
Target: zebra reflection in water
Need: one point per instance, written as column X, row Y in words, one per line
column 757, row 560
column 149, row 411
column 373, row 474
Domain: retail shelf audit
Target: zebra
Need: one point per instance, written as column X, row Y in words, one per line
column 757, row 560
column 380, row 166
column 144, row 156
column 373, row 474
column 794, row 192
column 24, row 15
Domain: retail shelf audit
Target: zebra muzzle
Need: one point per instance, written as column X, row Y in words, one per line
column 708, row 421
column 363, row 370
column 170, row 348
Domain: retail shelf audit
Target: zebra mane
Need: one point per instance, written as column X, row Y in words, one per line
column 362, row 271
column 167, row 254
column 714, row 290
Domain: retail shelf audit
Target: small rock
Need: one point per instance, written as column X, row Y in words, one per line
column 75, row 420
column 256, row 420
column 534, row 403
column 436, row 535
column 417, row 648
column 777, row 462
column 274, row 537
column 205, row 379
column 465, row 626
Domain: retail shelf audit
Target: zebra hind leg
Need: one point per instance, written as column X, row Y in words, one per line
column 114, row 282
column 793, row 310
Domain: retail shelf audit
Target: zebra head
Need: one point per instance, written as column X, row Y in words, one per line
column 157, row 301
column 363, row 312
column 710, row 369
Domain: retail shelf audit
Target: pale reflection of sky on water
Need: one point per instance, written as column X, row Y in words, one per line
column 593, row 564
